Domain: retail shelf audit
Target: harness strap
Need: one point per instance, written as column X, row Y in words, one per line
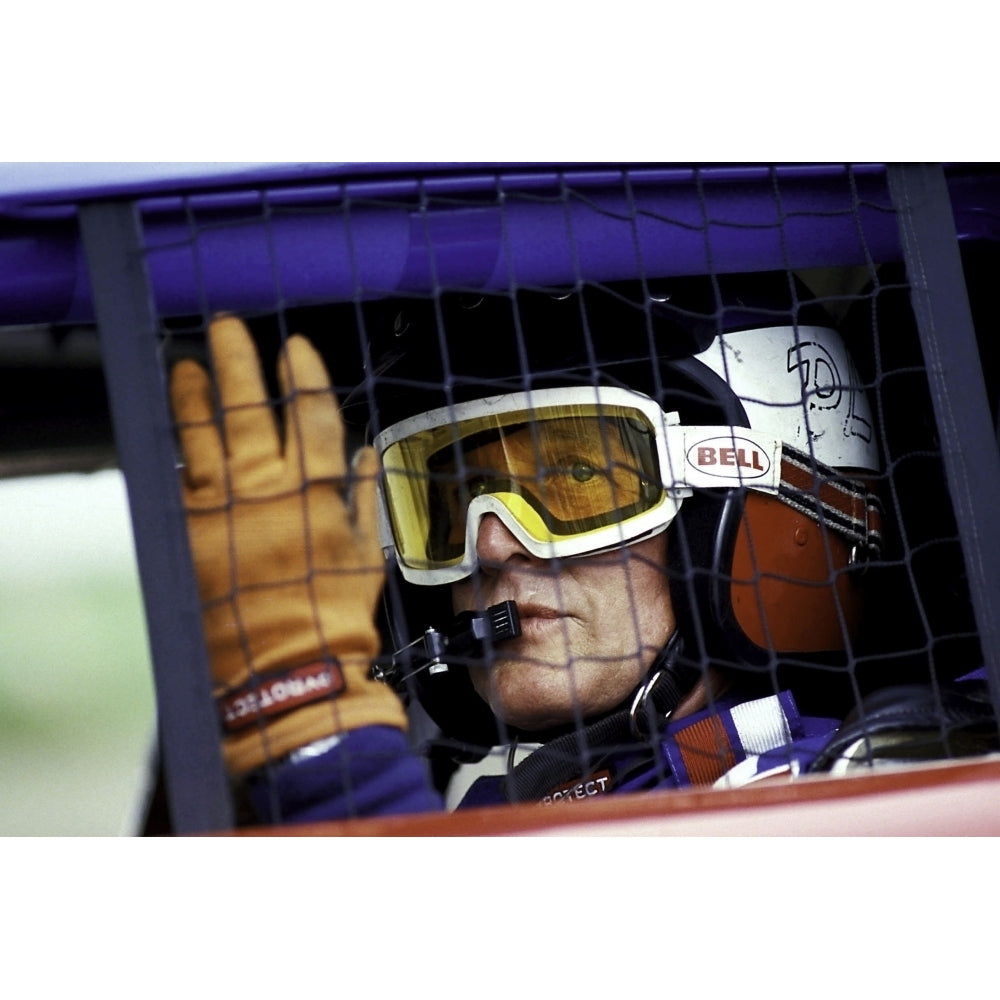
column 700, row 751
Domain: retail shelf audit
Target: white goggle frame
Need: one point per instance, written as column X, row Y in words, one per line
column 688, row 456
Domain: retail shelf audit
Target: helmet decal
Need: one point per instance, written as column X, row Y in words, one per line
column 718, row 456
column 800, row 384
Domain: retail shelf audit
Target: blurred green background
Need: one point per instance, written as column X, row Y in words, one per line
column 77, row 716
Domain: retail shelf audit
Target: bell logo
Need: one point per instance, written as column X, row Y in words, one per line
column 729, row 458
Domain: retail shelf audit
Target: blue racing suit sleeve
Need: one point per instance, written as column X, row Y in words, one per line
column 367, row 772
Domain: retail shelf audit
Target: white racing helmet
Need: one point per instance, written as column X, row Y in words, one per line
column 781, row 563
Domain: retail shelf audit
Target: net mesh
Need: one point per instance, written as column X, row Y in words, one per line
column 778, row 642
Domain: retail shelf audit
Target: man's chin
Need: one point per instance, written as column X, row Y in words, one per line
column 530, row 695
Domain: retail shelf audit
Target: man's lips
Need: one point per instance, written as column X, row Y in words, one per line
column 537, row 611
column 538, row 617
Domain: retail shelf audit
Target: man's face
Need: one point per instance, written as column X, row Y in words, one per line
column 590, row 626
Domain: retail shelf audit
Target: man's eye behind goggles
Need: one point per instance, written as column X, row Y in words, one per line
column 569, row 472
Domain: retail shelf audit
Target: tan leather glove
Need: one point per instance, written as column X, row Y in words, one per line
column 286, row 551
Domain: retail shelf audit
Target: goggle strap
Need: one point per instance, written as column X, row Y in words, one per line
column 846, row 506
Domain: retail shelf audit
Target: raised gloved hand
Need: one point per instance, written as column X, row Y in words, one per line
column 286, row 551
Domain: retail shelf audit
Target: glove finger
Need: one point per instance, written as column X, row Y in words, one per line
column 365, row 510
column 251, row 437
column 201, row 446
column 314, row 428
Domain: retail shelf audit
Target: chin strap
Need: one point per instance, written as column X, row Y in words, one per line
column 583, row 751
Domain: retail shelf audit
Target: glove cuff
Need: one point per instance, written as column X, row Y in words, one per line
column 267, row 719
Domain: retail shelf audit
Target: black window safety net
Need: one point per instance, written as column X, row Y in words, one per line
column 810, row 584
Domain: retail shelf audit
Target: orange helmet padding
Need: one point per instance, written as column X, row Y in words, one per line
column 790, row 589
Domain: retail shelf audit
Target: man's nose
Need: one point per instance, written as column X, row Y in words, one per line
column 496, row 544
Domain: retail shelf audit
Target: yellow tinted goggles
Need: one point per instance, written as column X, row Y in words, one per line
column 568, row 471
